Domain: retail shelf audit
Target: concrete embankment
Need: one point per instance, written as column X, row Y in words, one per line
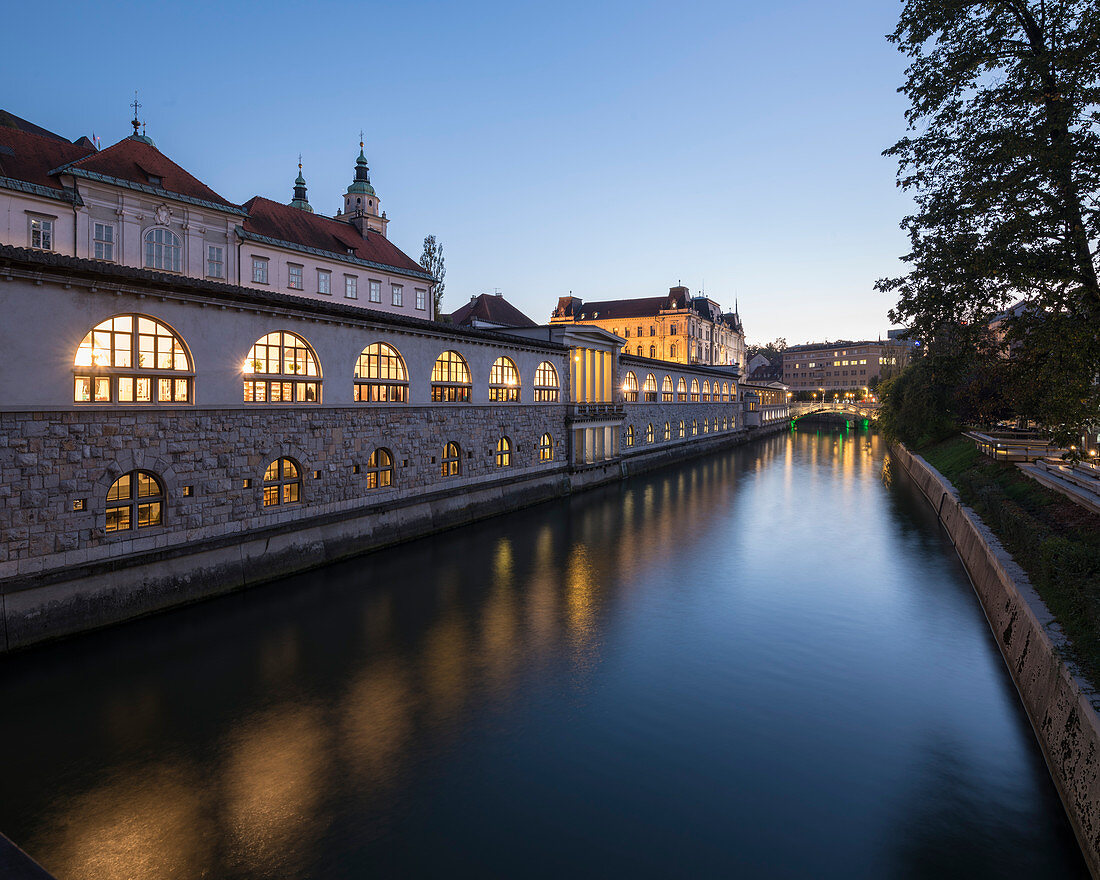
column 1056, row 698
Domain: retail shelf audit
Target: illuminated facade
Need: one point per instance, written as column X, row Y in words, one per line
column 841, row 367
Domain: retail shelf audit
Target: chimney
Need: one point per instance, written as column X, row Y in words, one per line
column 358, row 219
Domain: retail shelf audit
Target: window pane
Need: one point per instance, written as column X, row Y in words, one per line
column 120, row 491
column 125, row 389
column 147, row 486
column 144, row 390
column 82, row 391
column 149, row 514
column 118, row 519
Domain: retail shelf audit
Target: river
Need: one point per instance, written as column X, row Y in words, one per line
column 763, row 663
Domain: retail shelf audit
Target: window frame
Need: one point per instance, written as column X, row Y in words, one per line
column 546, row 448
column 261, row 270
column 103, row 248
column 544, row 391
column 390, row 382
column 374, row 286
column 397, row 295
column 295, row 272
column 451, row 460
column 122, row 383
column 133, row 503
column 630, row 387
column 449, row 389
column 282, row 484
column 298, row 383
column 215, row 257
column 504, row 381
column 503, row 456
column 325, row 275
column 351, row 286
column 380, row 470
column 159, row 249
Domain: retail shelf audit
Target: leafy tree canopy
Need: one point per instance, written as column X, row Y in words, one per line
column 432, row 260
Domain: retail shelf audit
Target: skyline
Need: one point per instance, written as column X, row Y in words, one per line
column 610, row 154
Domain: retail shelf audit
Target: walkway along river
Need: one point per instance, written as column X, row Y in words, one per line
column 764, row 663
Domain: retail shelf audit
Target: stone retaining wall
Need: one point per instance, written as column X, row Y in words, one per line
column 1055, row 697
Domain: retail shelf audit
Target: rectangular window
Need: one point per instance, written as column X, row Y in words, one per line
column 397, row 294
column 215, row 262
column 259, row 270
column 41, row 234
column 421, row 299
column 104, row 241
column 324, row 281
column 376, row 291
column 351, row 286
column 294, row 276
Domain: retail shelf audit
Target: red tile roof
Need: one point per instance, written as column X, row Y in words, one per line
column 10, row 120
column 136, row 161
column 492, row 309
column 284, row 223
column 30, row 157
column 624, row 308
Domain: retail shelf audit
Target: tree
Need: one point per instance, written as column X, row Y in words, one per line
column 432, row 261
column 1003, row 160
column 773, row 351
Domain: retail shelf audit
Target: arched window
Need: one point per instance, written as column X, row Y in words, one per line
column 380, row 375
column 668, row 431
column 547, row 386
column 282, row 368
column 694, row 390
column 504, row 452
column 452, row 460
column 725, row 423
column 725, row 391
column 132, row 359
column 681, row 390
column 694, row 428
column 653, row 351
column 163, row 250
column 706, row 426
column 681, row 430
column 706, row 390
column 450, row 380
column 380, row 469
column 649, row 433
column 666, row 389
column 135, row 501
column 504, row 380
column 630, row 387
column 282, row 483
column 672, row 349
column 629, row 435
column 639, row 351
column 649, row 388
column 546, row 448
column 714, row 424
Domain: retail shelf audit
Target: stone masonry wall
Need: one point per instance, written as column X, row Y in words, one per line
column 657, row 413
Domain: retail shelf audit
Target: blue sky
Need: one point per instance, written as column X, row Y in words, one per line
column 608, row 149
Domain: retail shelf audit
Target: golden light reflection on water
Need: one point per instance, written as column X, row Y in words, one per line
column 445, row 658
column 376, row 722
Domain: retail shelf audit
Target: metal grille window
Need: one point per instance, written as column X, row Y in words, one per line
column 504, row 452
column 380, row 375
column 546, row 448
column 630, row 387
column 282, row 368
column 452, row 460
column 450, row 379
column 504, row 380
column 163, row 250
column 666, row 389
column 546, row 383
column 649, row 388
column 380, row 469
column 135, row 501
column 132, row 359
column 282, row 483
column 103, row 240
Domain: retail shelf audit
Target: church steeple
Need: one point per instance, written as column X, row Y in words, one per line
column 362, row 206
column 300, row 200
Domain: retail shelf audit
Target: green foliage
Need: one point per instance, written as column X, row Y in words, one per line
column 916, row 405
column 1003, row 161
column 432, row 261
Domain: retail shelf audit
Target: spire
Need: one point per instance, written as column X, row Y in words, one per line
column 139, row 126
column 361, row 184
column 300, row 200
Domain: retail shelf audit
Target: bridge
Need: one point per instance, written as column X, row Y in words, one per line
column 849, row 411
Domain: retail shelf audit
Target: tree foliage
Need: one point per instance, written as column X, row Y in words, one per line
column 432, row 261
column 1003, row 160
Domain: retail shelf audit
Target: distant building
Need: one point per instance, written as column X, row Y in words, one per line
column 678, row 327
column 490, row 311
column 841, row 366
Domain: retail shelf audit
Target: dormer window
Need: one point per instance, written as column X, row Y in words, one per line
column 154, row 180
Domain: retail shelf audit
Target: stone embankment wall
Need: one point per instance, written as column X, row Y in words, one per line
column 1055, row 698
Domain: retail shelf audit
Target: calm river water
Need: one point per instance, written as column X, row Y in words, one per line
column 765, row 663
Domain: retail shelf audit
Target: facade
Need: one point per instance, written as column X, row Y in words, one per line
column 678, row 327
column 841, row 367
column 130, row 205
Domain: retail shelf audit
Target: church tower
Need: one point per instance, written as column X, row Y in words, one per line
column 300, row 200
column 362, row 207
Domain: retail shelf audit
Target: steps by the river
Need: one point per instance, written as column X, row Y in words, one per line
column 1079, row 482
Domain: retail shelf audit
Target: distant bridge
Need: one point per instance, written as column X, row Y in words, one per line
column 845, row 409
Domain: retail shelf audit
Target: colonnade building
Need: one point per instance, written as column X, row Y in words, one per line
column 165, row 435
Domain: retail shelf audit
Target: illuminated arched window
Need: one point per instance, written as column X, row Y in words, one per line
column 546, row 448
column 163, row 250
column 504, row 452
column 681, row 390
column 504, row 380
column 135, row 501
column 666, row 389
column 649, row 388
column 630, row 387
column 668, row 430
column 706, row 390
column 282, row 483
column 132, row 359
column 694, row 428
column 706, row 426
column 694, row 390
column 282, row 368
column 681, row 430
column 450, row 379
column 547, row 386
column 629, row 435
column 725, row 423
column 380, row 375
column 725, row 391
column 714, row 424
column 380, row 469
column 452, row 460
column 649, row 433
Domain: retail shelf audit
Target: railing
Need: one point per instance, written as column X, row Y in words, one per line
column 597, row 410
column 805, row 407
column 1012, row 448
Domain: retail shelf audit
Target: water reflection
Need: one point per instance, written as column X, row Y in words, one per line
column 677, row 660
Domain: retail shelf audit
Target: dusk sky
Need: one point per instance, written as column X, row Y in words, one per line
column 608, row 149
